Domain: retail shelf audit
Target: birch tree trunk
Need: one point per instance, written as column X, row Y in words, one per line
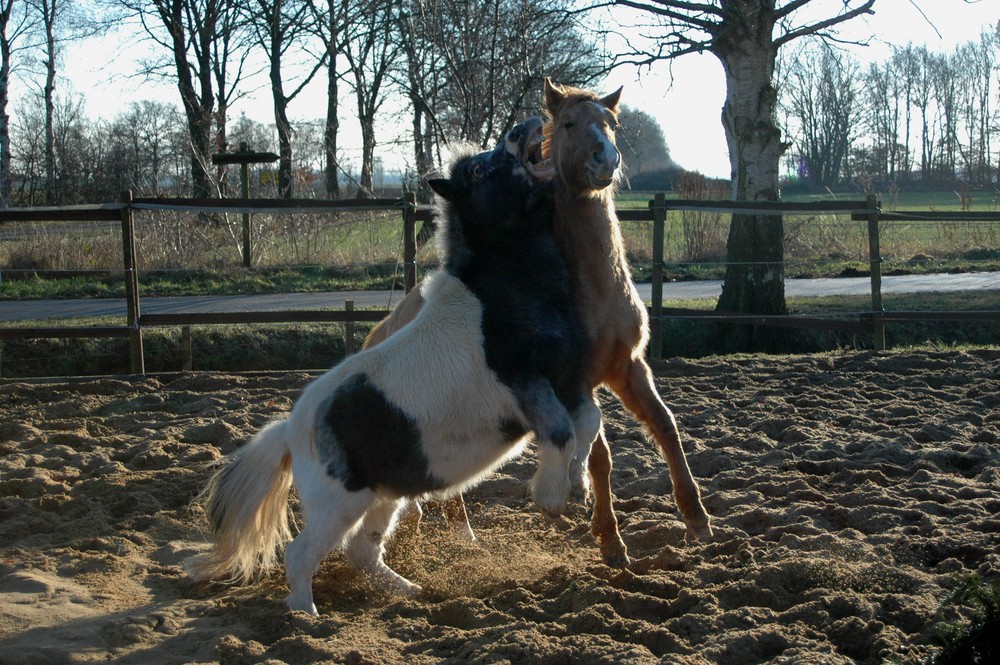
column 8, row 33
column 754, row 281
column 5, row 184
column 49, row 11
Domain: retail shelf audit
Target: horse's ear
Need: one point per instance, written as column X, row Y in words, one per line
column 611, row 101
column 442, row 188
column 554, row 96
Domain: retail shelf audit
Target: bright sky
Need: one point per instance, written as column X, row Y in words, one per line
column 688, row 110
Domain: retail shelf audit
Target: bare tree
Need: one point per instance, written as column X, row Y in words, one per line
column 331, row 22
column 745, row 35
column 193, row 35
column 282, row 29
column 371, row 50
column 423, row 81
column 886, row 117
column 59, row 21
column 15, row 22
column 470, row 69
column 975, row 65
column 142, row 137
column 487, row 70
column 820, row 98
column 230, row 50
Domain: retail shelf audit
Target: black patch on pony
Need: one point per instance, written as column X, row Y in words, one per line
column 368, row 442
column 499, row 242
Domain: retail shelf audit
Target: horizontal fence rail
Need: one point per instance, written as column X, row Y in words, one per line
column 867, row 210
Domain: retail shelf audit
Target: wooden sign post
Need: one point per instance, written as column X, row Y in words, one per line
column 244, row 157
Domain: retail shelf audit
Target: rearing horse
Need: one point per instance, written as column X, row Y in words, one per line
column 585, row 164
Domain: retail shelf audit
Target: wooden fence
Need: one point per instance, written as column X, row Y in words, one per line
column 867, row 211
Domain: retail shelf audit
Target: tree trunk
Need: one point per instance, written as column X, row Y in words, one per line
column 5, row 183
column 197, row 108
column 330, row 131
column 754, row 280
column 221, row 139
column 281, row 119
column 50, row 104
column 285, row 188
column 367, row 155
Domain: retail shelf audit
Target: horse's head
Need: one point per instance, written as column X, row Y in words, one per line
column 582, row 133
column 489, row 196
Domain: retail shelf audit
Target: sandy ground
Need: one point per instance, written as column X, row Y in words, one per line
column 849, row 493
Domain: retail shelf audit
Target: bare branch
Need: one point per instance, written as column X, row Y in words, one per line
column 815, row 28
column 667, row 10
column 934, row 27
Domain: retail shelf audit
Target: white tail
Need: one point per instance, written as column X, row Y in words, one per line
column 246, row 502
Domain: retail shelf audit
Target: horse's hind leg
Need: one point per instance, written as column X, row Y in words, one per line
column 592, row 449
column 458, row 518
column 635, row 388
column 603, row 523
column 330, row 512
column 366, row 547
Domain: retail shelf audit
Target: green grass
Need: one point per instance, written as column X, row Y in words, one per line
column 229, row 281
column 978, row 640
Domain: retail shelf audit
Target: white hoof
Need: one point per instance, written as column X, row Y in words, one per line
column 299, row 605
column 551, row 494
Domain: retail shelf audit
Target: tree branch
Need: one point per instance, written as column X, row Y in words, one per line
column 667, row 10
column 814, row 28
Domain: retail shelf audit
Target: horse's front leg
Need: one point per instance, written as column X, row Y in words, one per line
column 550, row 486
column 555, row 432
column 634, row 387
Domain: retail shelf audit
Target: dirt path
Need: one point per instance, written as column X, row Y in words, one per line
column 849, row 492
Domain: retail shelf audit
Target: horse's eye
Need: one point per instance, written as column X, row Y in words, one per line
column 475, row 170
column 568, row 125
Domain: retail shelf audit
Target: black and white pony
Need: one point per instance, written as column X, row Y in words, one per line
column 497, row 353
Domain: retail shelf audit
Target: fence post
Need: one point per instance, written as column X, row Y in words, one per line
column 656, row 315
column 875, row 262
column 187, row 349
column 409, row 241
column 349, row 329
column 245, row 193
column 132, row 286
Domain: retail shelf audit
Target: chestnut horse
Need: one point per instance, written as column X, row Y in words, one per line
column 585, row 165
